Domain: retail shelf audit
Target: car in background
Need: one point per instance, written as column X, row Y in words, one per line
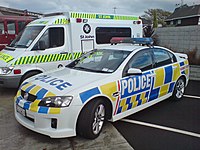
column 108, row 83
column 10, row 27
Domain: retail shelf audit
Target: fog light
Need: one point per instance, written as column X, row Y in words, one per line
column 54, row 123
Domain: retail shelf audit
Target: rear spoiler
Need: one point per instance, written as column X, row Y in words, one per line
column 181, row 55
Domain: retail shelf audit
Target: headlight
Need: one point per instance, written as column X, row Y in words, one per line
column 56, row 101
column 6, row 70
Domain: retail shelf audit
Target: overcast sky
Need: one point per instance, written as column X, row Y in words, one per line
column 132, row 7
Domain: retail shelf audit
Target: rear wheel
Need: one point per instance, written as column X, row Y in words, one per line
column 179, row 89
column 92, row 119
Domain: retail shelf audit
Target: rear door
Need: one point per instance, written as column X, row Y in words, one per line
column 163, row 73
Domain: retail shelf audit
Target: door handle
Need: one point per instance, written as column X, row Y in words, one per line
column 115, row 94
column 63, row 52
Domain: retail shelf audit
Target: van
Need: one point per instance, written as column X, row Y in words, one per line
column 55, row 40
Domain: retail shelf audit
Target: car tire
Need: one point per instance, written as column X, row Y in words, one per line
column 92, row 119
column 179, row 90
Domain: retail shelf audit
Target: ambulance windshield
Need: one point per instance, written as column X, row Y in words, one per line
column 100, row 60
column 26, row 37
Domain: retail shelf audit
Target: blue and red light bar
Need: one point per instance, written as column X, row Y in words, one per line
column 145, row 41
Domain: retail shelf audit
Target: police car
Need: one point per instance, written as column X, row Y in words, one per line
column 109, row 83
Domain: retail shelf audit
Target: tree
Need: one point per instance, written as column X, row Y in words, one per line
column 155, row 19
column 160, row 14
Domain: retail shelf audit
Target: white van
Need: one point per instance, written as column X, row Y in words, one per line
column 56, row 39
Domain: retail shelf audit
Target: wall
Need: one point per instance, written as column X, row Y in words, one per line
column 180, row 39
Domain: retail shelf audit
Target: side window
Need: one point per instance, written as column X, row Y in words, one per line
column 105, row 34
column 11, row 27
column 53, row 37
column 173, row 58
column 162, row 57
column 141, row 60
column 21, row 25
column 2, row 31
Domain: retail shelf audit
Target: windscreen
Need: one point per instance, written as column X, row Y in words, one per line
column 26, row 37
column 100, row 60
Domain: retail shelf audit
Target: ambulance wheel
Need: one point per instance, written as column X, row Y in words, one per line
column 28, row 75
column 92, row 119
column 179, row 89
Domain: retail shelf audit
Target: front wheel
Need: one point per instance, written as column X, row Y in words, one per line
column 179, row 89
column 92, row 119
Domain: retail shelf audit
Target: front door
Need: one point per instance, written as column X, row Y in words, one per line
column 135, row 89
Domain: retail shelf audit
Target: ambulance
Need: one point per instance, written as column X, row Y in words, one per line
column 107, row 83
column 56, row 39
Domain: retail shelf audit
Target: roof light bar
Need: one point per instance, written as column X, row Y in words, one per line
column 145, row 41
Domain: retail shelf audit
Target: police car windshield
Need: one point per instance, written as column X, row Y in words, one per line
column 100, row 60
column 26, row 37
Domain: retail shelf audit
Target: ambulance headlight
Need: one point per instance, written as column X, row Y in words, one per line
column 6, row 70
column 56, row 101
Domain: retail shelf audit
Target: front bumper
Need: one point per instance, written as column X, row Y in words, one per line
column 42, row 123
column 10, row 81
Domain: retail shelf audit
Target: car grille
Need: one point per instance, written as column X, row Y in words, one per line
column 31, row 98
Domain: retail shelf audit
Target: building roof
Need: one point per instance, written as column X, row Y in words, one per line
column 17, row 12
column 185, row 11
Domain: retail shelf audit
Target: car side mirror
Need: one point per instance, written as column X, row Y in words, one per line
column 42, row 45
column 134, row 71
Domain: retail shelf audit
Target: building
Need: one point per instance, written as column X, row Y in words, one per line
column 184, row 16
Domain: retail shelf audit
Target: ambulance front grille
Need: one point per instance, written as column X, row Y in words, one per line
column 30, row 98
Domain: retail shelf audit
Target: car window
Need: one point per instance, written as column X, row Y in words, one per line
column 100, row 60
column 162, row 57
column 1, row 28
column 52, row 38
column 141, row 60
column 11, row 27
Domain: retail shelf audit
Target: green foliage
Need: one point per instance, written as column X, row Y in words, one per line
column 161, row 15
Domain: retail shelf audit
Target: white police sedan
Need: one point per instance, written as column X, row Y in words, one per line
column 104, row 84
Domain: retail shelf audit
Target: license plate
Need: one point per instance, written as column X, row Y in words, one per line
column 21, row 110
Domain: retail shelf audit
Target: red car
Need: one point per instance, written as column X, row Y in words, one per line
column 10, row 26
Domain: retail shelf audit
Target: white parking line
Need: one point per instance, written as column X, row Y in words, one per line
column 162, row 127
column 191, row 96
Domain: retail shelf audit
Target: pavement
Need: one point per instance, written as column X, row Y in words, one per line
column 14, row 136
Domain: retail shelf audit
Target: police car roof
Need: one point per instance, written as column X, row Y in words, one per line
column 125, row 47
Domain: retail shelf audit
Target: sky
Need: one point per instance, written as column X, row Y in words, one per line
column 129, row 7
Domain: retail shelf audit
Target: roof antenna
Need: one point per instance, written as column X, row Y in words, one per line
column 114, row 9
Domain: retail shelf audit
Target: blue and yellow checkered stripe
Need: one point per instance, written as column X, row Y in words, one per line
column 46, row 58
column 131, row 102
column 40, row 93
column 102, row 16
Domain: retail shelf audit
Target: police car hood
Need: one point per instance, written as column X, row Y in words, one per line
column 65, row 81
column 7, row 56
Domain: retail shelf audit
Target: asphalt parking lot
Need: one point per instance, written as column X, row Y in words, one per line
column 167, row 125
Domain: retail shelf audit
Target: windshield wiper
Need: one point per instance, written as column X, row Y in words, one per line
column 21, row 46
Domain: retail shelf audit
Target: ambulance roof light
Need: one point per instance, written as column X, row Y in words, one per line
column 145, row 41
